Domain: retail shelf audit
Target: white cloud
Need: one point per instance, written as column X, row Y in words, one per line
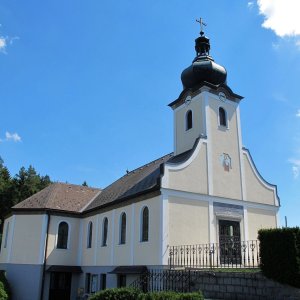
column 250, row 4
column 295, row 167
column 3, row 44
column 12, row 137
column 5, row 41
column 298, row 113
column 281, row 16
column 296, row 171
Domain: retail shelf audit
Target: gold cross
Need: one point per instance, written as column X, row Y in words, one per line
column 201, row 25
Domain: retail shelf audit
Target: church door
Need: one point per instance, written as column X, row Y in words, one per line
column 60, row 286
column 230, row 242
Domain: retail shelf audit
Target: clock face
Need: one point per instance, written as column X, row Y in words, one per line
column 222, row 96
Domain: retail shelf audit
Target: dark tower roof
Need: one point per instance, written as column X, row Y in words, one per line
column 203, row 67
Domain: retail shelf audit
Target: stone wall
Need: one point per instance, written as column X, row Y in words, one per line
column 238, row 285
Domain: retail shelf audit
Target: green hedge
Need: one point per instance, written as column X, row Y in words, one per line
column 5, row 288
column 280, row 254
column 116, row 294
column 170, row 296
column 3, row 294
column 132, row 294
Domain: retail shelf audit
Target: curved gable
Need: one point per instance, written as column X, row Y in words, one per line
column 190, row 172
column 257, row 188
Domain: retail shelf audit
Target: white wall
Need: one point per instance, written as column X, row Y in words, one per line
column 133, row 251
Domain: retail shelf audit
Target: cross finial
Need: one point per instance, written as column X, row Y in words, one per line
column 201, row 25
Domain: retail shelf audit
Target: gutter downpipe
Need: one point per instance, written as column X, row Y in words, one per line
column 45, row 256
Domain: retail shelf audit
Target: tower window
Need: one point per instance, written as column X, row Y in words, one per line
column 188, row 120
column 62, row 235
column 145, row 224
column 222, row 117
column 123, row 228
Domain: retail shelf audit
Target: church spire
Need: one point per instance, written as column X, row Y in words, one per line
column 203, row 68
column 202, row 45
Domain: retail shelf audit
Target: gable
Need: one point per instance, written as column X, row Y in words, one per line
column 257, row 189
column 190, row 173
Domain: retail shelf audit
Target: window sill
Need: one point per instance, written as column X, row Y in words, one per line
column 62, row 249
column 223, row 128
column 144, row 242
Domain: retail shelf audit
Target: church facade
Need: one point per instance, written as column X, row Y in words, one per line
column 68, row 240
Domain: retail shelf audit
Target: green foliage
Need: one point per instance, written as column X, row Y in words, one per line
column 16, row 189
column 5, row 291
column 280, row 254
column 3, row 294
column 132, row 294
column 171, row 295
column 116, row 294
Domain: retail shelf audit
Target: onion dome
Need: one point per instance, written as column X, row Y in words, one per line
column 203, row 67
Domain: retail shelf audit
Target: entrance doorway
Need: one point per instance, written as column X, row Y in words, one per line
column 60, row 286
column 230, row 242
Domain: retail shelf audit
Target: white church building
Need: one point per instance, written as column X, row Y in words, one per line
column 68, row 239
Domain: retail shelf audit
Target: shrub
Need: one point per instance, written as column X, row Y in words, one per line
column 131, row 294
column 6, row 286
column 158, row 296
column 280, row 254
column 3, row 294
column 116, row 294
column 172, row 295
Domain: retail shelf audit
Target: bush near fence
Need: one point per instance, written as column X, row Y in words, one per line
column 280, row 254
column 5, row 291
column 134, row 294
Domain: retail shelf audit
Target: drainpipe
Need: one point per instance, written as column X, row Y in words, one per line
column 45, row 256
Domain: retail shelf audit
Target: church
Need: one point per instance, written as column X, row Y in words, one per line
column 69, row 240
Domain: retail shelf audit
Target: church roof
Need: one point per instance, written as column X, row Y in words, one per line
column 139, row 181
column 59, row 196
column 80, row 199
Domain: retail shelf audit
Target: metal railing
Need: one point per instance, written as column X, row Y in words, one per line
column 163, row 280
column 224, row 255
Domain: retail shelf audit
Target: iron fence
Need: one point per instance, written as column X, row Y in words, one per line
column 224, row 255
column 164, row 280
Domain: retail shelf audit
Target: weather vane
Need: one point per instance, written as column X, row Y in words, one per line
column 201, row 25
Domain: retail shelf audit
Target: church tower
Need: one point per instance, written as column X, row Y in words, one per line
column 211, row 186
column 207, row 108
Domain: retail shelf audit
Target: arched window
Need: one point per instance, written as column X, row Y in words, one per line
column 104, row 232
column 222, row 117
column 145, row 224
column 123, row 228
column 188, row 120
column 90, row 235
column 62, row 235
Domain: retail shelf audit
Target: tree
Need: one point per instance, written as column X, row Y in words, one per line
column 6, row 191
column 23, row 185
column 84, row 183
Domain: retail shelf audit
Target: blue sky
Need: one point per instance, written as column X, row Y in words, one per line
column 85, row 84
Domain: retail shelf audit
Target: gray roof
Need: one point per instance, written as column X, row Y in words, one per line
column 77, row 198
column 136, row 182
column 59, row 196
